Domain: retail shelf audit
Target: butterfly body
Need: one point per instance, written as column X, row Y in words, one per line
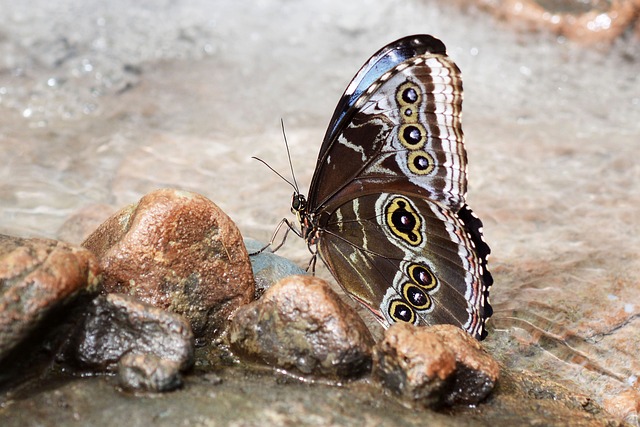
column 386, row 208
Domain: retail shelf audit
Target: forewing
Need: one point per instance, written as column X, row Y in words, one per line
column 402, row 133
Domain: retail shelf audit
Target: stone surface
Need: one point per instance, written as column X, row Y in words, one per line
column 301, row 324
column 238, row 396
column 116, row 325
column 625, row 406
column 148, row 372
column 434, row 366
column 39, row 280
column 176, row 250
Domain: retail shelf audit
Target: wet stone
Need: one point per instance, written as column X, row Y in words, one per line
column 116, row 325
column 178, row 251
column 300, row 324
column 40, row 280
column 148, row 372
column 434, row 366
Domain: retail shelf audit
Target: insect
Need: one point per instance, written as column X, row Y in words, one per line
column 386, row 210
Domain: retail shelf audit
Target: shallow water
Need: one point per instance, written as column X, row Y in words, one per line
column 103, row 102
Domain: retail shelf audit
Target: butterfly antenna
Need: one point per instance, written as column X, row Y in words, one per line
column 286, row 144
column 295, row 188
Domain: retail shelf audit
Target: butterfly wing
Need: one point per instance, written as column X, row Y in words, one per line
column 403, row 132
column 410, row 259
column 380, row 62
column 388, row 192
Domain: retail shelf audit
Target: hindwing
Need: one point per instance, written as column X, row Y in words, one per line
column 386, row 206
column 409, row 259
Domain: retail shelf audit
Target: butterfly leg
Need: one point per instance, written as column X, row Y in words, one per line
column 290, row 227
column 312, row 262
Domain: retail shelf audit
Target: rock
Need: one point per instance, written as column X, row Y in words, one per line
column 414, row 363
column 178, row 251
column 301, row 324
column 434, row 366
column 476, row 371
column 583, row 22
column 148, row 372
column 116, row 325
column 39, row 280
column 268, row 267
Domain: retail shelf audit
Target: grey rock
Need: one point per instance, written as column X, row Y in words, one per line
column 268, row 267
column 148, row 372
column 116, row 325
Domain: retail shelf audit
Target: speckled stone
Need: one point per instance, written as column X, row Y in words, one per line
column 300, row 324
column 176, row 250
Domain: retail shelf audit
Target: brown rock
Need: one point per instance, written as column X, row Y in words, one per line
column 39, row 278
column 433, row 366
column 300, row 323
column 414, row 363
column 584, row 22
column 176, row 250
column 476, row 371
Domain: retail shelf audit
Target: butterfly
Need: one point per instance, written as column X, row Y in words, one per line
column 386, row 210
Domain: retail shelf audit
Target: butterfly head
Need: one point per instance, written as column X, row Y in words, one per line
column 299, row 206
column 306, row 219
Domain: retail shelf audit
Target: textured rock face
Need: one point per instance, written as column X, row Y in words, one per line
column 39, row 278
column 476, row 371
column 434, row 366
column 116, row 325
column 301, row 324
column 178, row 251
